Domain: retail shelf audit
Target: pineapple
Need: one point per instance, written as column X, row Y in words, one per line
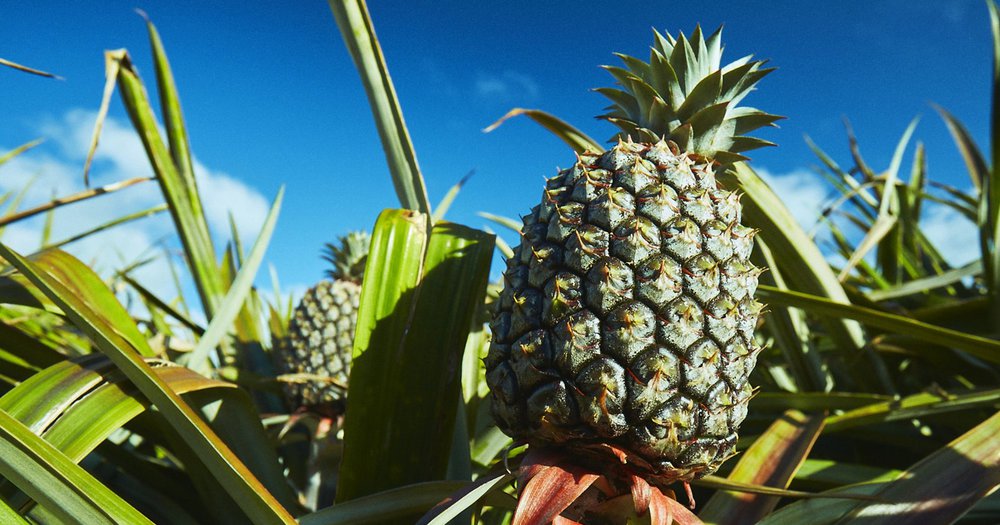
column 627, row 318
column 317, row 350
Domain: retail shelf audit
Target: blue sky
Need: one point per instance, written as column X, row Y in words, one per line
column 271, row 98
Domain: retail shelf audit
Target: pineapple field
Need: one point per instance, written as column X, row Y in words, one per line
column 662, row 331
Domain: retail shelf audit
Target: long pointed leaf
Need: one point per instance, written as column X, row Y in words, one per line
column 61, row 486
column 356, row 27
column 52, row 275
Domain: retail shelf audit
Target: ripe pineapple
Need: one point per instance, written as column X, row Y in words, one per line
column 320, row 336
column 627, row 315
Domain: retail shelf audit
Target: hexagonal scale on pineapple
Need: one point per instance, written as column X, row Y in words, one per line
column 628, row 330
column 655, row 378
column 635, row 239
column 576, row 342
column 660, row 279
column 600, row 391
column 609, row 283
column 658, row 202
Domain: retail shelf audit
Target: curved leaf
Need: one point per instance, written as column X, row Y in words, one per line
column 53, row 275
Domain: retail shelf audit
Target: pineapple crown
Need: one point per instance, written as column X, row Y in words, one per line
column 348, row 257
column 685, row 95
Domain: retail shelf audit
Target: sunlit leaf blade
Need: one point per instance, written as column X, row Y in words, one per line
column 385, row 506
column 55, row 482
column 838, row 473
column 192, row 227
column 9, row 515
column 83, row 403
column 772, row 460
column 981, row 347
column 928, row 283
column 157, row 302
column 173, row 120
column 942, row 487
column 53, row 275
column 70, row 199
column 911, row 407
column 824, row 510
column 442, row 208
column 26, row 69
column 356, row 27
column 118, row 221
column 21, row 345
column 887, row 216
column 393, row 272
column 35, row 402
column 77, row 404
column 232, row 303
column 813, row 401
column 90, row 291
column 716, row 482
column 511, row 224
column 457, row 503
column 572, row 136
column 6, row 157
column 413, row 323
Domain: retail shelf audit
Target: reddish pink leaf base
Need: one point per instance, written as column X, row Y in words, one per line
column 550, row 489
column 552, row 481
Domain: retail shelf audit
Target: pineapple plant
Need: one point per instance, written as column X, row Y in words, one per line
column 315, row 354
column 626, row 321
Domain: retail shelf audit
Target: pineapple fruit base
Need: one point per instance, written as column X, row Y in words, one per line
column 627, row 313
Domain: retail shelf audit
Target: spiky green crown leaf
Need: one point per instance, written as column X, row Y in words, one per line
column 348, row 257
column 684, row 94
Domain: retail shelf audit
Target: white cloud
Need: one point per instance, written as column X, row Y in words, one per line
column 507, row 85
column 119, row 156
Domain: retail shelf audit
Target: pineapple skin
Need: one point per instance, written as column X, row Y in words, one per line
column 320, row 343
column 627, row 313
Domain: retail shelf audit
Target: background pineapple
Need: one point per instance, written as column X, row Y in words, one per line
column 628, row 310
column 316, row 353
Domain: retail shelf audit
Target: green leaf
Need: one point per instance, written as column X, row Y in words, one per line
column 10, row 516
column 413, row 323
column 179, row 194
column 791, row 332
column 385, row 506
column 822, row 510
column 802, row 263
column 772, row 460
column 232, row 304
column 118, row 221
column 911, row 407
column 26, row 69
column 356, row 27
column 19, row 150
column 77, row 404
column 55, row 482
column 54, row 274
column 928, row 283
column 572, row 136
column 442, row 208
column 837, row 473
column 942, row 487
column 170, row 108
column 466, row 500
column 887, row 216
column 981, row 347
